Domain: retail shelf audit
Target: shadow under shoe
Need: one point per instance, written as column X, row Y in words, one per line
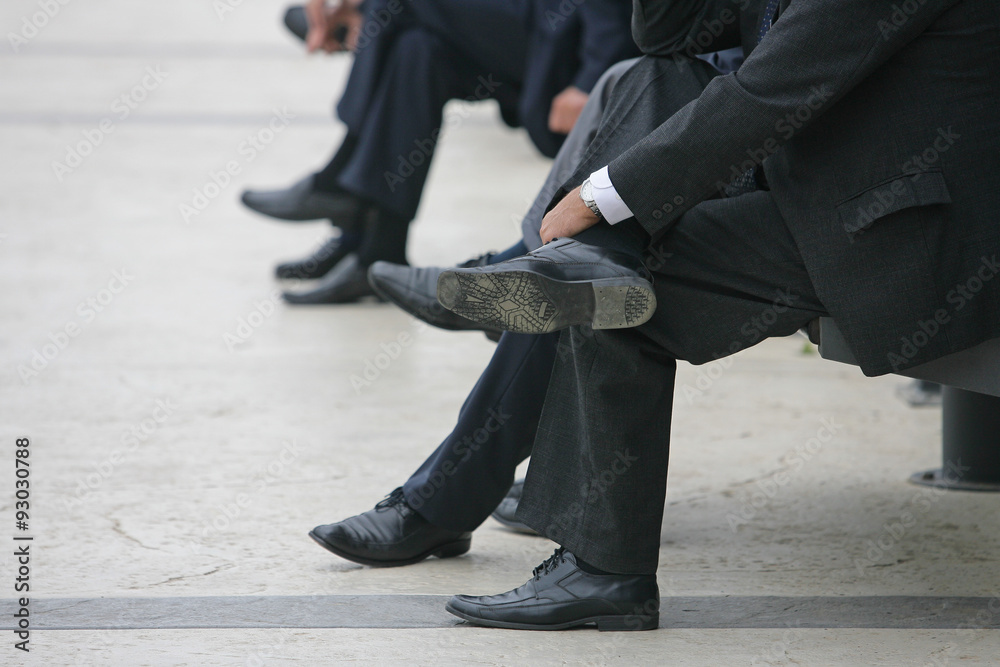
column 560, row 595
column 565, row 283
column 390, row 535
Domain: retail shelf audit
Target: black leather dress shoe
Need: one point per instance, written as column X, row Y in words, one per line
column 296, row 21
column 303, row 202
column 317, row 264
column 562, row 284
column 506, row 511
column 415, row 290
column 391, row 534
column 346, row 283
column 560, row 595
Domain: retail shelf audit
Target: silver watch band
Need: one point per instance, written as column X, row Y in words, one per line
column 586, row 194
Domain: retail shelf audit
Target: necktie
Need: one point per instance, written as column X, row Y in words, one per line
column 770, row 10
column 747, row 182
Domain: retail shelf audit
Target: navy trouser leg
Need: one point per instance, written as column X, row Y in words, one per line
column 490, row 34
column 462, row 482
column 398, row 135
column 515, row 250
column 380, row 29
column 425, row 54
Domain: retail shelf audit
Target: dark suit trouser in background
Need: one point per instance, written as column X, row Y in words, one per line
column 421, row 55
column 727, row 275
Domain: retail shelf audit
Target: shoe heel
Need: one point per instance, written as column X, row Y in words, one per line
column 453, row 549
column 630, row 622
column 622, row 306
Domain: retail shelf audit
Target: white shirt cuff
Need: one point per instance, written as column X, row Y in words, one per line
column 612, row 207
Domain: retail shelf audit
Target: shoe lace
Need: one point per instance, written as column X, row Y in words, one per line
column 550, row 563
column 391, row 500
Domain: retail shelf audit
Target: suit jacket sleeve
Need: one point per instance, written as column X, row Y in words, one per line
column 815, row 53
column 605, row 39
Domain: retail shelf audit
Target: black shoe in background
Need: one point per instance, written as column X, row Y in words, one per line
column 319, row 263
column 392, row 534
column 561, row 595
column 506, row 511
column 414, row 289
column 921, row 393
column 302, row 202
column 346, row 283
column 296, row 21
column 564, row 283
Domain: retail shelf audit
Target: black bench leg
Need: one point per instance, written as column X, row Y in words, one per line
column 971, row 435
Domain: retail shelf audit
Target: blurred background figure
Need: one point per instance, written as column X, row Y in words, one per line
column 539, row 59
column 920, row 393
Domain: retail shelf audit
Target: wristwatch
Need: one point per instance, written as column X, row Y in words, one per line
column 587, row 195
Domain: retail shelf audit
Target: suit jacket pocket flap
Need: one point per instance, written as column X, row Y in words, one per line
column 922, row 189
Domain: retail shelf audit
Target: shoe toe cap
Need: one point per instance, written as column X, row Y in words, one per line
column 326, row 533
column 387, row 277
column 467, row 605
column 298, row 298
column 340, row 538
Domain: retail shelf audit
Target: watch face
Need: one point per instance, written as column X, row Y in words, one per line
column 586, row 191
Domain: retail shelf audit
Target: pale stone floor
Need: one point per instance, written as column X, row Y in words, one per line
column 245, row 446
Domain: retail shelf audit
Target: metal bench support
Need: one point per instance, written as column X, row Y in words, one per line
column 971, row 438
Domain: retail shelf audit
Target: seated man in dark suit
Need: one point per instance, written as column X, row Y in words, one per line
column 414, row 289
column 462, row 481
column 846, row 164
column 537, row 58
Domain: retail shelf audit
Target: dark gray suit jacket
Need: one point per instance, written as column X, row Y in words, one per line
column 878, row 125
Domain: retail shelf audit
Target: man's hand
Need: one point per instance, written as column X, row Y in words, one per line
column 566, row 108
column 327, row 25
column 569, row 217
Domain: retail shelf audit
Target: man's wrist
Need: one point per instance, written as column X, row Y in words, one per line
column 603, row 192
